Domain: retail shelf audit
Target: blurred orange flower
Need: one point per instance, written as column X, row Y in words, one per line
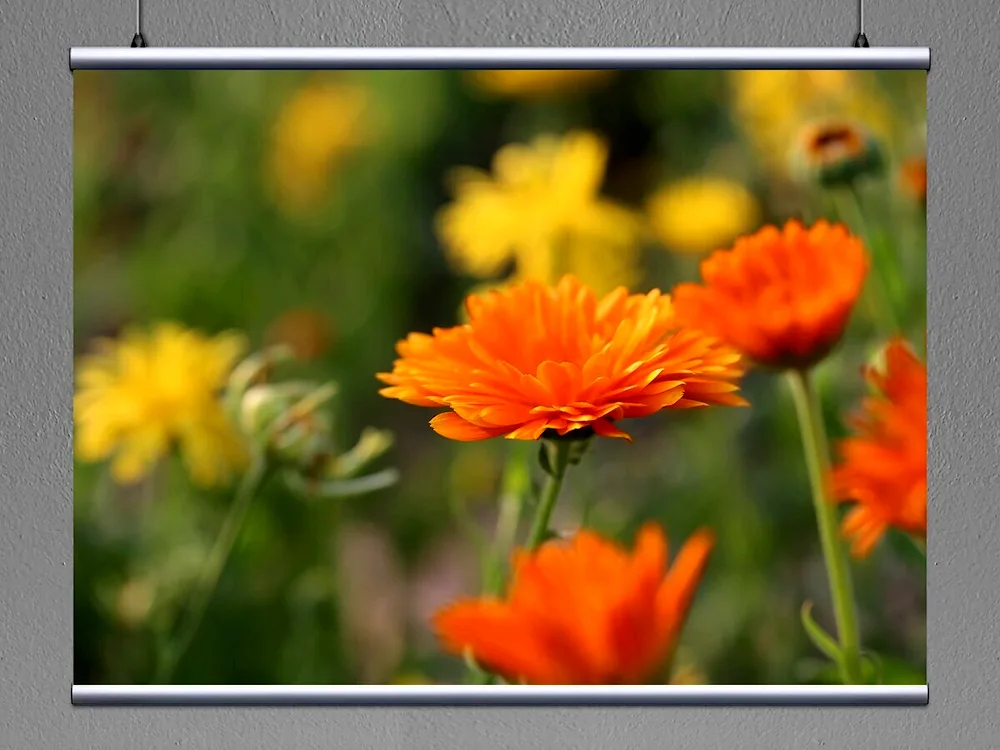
column 306, row 331
column 781, row 296
column 539, row 84
column 884, row 467
column 534, row 358
column 913, row 177
column 583, row 613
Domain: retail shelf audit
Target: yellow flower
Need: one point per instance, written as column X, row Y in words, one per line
column 319, row 125
column 538, row 84
column 541, row 208
column 139, row 395
column 773, row 105
column 700, row 214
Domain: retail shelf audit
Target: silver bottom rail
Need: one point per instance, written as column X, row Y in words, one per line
column 507, row 695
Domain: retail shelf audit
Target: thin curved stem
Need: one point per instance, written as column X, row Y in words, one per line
column 814, row 444
column 212, row 571
column 884, row 303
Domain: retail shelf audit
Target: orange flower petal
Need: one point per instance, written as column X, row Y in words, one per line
column 452, row 426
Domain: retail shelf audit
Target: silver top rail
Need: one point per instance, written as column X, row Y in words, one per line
column 397, row 58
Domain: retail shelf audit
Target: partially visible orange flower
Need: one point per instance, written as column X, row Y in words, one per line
column 884, row 467
column 585, row 612
column 539, row 84
column 781, row 296
column 534, row 358
column 913, row 177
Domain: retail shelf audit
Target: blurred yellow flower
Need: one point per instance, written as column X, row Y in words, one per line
column 773, row 105
column 700, row 214
column 539, row 84
column 321, row 123
column 541, row 208
column 134, row 602
column 140, row 394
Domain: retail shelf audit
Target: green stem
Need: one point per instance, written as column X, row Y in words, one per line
column 212, row 571
column 513, row 489
column 559, row 451
column 884, row 304
column 835, row 557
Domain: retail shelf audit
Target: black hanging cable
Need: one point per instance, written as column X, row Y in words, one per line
column 861, row 40
column 139, row 40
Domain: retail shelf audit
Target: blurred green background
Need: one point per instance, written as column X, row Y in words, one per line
column 299, row 207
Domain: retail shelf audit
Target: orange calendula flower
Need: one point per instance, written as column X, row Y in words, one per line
column 534, row 359
column 884, row 467
column 585, row 612
column 781, row 296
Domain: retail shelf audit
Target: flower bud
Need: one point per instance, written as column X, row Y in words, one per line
column 837, row 153
column 293, row 431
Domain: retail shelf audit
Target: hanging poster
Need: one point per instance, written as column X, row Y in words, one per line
column 490, row 378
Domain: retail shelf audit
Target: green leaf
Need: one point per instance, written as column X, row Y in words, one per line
column 338, row 488
column 818, row 636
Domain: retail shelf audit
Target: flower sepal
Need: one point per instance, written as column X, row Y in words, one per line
column 253, row 370
column 290, row 424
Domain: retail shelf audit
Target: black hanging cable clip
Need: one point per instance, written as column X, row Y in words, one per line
column 138, row 40
column 861, row 40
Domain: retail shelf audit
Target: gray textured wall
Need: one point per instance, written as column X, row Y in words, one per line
column 36, row 294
